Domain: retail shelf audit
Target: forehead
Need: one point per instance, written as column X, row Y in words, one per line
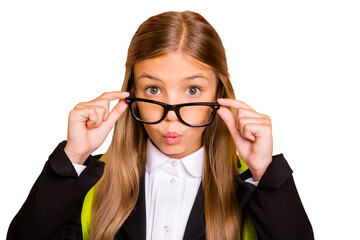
column 173, row 66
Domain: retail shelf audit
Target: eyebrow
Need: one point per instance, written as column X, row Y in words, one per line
column 196, row 76
column 189, row 78
column 146, row 75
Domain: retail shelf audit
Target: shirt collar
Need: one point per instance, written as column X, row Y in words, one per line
column 194, row 163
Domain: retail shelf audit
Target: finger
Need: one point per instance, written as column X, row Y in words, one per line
column 95, row 116
column 110, row 96
column 92, row 119
column 104, row 100
column 104, row 103
column 233, row 103
column 100, row 112
column 245, row 122
column 228, row 118
column 243, row 112
column 115, row 113
column 230, row 122
column 252, row 131
column 114, row 95
column 88, row 116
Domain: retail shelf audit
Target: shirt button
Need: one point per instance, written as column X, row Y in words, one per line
column 173, row 180
column 165, row 229
column 174, row 163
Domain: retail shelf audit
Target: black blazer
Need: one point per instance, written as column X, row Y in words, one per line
column 53, row 207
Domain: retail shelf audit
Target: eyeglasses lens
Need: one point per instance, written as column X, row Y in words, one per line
column 196, row 115
column 151, row 112
column 148, row 112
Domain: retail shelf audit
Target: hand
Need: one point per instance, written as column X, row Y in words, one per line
column 252, row 135
column 90, row 123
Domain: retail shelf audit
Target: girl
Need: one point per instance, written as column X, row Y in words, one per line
column 172, row 169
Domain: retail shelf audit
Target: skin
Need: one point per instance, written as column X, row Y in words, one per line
column 173, row 78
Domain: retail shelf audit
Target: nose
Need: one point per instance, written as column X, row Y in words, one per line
column 171, row 116
column 172, row 99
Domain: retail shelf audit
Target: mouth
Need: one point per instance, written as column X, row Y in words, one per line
column 172, row 137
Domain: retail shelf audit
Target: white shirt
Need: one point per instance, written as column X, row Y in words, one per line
column 171, row 186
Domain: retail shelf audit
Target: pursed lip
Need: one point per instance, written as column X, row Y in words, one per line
column 172, row 137
column 172, row 134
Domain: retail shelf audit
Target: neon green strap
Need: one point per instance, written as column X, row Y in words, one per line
column 243, row 167
column 249, row 232
column 86, row 212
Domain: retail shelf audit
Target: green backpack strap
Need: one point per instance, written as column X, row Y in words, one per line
column 86, row 212
column 243, row 167
column 249, row 232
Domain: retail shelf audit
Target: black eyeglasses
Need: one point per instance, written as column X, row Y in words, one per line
column 197, row 114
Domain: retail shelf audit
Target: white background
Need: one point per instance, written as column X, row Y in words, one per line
column 298, row 62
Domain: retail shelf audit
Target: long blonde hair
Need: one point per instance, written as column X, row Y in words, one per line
column 117, row 191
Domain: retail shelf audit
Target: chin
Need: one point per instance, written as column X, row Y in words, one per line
column 171, row 149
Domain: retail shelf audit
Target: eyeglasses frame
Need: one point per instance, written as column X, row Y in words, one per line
column 175, row 108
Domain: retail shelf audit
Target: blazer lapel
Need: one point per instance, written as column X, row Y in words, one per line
column 135, row 224
column 195, row 227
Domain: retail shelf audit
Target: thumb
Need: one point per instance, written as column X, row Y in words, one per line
column 229, row 119
column 115, row 114
column 230, row 122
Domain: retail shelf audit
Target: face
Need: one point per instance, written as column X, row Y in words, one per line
column 173, row 79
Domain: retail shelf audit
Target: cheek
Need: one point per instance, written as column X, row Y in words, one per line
column 196, row 132
column 152, row 130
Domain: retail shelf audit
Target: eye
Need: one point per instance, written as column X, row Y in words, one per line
column 193, row 91
column 152, row 90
